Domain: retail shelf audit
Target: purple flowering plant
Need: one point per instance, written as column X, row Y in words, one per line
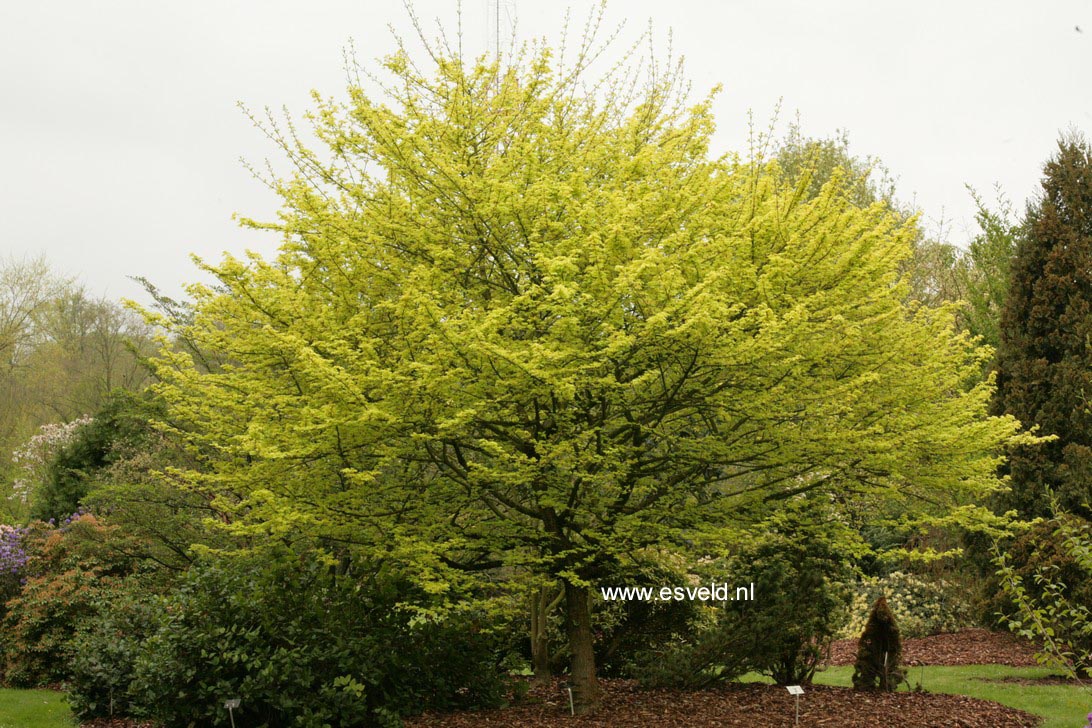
column 13, row 553
column 13, row 560
column 80, row 513
column 13, row 557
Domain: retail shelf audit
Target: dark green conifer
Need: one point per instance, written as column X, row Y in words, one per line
column 1044, row 362
column 879, row 651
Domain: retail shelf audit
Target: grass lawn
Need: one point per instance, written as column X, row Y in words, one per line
column 34, row 709
column 1062, row 706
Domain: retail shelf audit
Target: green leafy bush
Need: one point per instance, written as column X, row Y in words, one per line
column 1046, row 583
column 800, row 599
column 625, row 629
column 301, row 647
column 921, row 606
column 105, row 650
column 800, row 570
column 715, row 652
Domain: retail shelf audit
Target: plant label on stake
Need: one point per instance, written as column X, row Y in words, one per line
column 568, row 686
column 796, row 691
column 231, row 705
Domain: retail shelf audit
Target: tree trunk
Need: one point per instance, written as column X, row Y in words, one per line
column 581, row 644
column 540, row 644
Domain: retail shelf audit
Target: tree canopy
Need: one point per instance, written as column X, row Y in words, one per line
column 1044, row 360
column 518, row 319
column 983, row 273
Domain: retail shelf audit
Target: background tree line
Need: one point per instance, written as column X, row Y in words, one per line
column 62, row 351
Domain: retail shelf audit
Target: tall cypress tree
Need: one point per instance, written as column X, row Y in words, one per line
column 1045, row 354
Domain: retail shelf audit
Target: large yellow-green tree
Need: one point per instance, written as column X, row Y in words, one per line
column 519, row 318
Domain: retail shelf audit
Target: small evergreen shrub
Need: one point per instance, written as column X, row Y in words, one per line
column 626, row 630
column 801, row 594
column 879, row 651
column 718, row 653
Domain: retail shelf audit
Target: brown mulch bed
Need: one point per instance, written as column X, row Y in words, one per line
column 764, row 706
column 969, row 647
column 751, row 705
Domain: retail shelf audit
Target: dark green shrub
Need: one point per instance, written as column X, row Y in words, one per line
column 300, row 647
column 800, row 597
column 714, row 654
column 627, row 628
column 1046, row 584
column 1043, row 550
column 801, row 577
column 879, row 651
column 105, row 650
column 120, row 424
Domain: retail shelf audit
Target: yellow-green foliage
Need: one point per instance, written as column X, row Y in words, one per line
column 516, row 318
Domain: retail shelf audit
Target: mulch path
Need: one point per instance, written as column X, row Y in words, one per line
column 969, row 647
column 750, row 705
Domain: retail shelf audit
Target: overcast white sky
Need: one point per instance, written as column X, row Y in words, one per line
column 120, row 139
